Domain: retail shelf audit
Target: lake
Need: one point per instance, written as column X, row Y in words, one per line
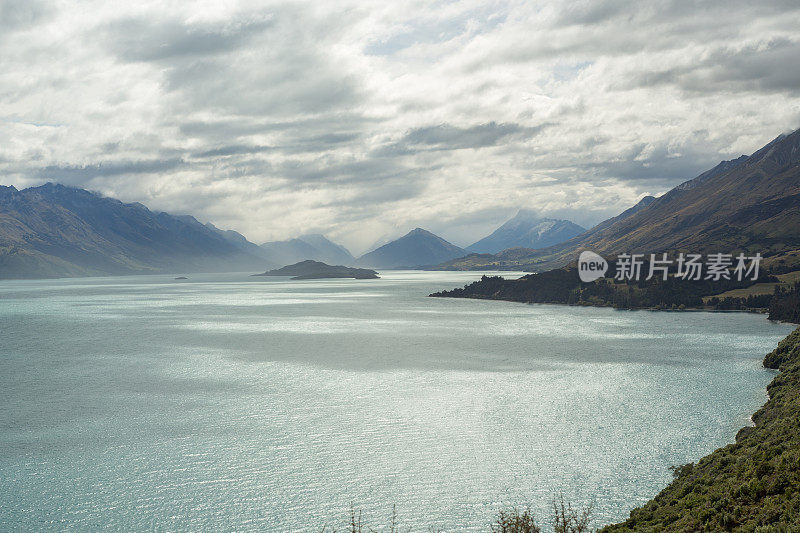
column 232, row 402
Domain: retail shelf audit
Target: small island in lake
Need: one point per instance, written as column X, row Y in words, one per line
column 316, row 270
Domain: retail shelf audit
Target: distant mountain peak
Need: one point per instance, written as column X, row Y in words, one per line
column 527, row 230
column 418, row 247
column 747, row 204
column 312, row 246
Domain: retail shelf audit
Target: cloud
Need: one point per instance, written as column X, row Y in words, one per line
column 18, row 15
column 84, row 173
column 143, row 39
column 362, row 120
column 449, row 137
column 760, row 68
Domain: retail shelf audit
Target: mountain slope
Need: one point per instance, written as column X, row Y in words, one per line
column 315, row 247
column 526, row 230
column 641, row 204
column 54, row 231
column 417, row 248
column 329, row 251
column 750, row 204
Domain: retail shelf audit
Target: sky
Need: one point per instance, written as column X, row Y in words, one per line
column 363, row 120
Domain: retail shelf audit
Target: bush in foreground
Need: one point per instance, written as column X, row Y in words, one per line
column 565, row 519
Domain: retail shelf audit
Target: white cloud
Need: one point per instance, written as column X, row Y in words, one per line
column 365, row 119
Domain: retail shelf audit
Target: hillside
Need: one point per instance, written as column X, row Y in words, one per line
column 57, row 231
column 526, row 230
column 417, row 248
column 750, row 204
column 240, row 241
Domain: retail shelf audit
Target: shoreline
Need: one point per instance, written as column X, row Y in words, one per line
column 677, row 506
column 751, row 483
column 654, row 309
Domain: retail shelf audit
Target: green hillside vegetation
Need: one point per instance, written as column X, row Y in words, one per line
column 563, row 286
column 760, row 289
column 752, row 485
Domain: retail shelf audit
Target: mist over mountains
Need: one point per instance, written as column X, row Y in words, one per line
column 58, row 231
column 315, row 247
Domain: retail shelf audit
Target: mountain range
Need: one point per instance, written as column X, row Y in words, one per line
column 748, row 204
column 57, row 231
column 315, row 247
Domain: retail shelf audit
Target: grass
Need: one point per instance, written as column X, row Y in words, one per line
column 759, row 288
column 753, row 290
column 790, row 277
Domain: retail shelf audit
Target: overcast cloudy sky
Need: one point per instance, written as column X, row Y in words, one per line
column 363, row 120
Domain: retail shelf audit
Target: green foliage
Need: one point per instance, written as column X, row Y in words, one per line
column 563, row 286
column 785, row 304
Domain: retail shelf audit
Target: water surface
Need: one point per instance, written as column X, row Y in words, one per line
column 231, row 402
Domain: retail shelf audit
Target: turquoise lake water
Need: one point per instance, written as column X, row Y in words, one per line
column 230, row 402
